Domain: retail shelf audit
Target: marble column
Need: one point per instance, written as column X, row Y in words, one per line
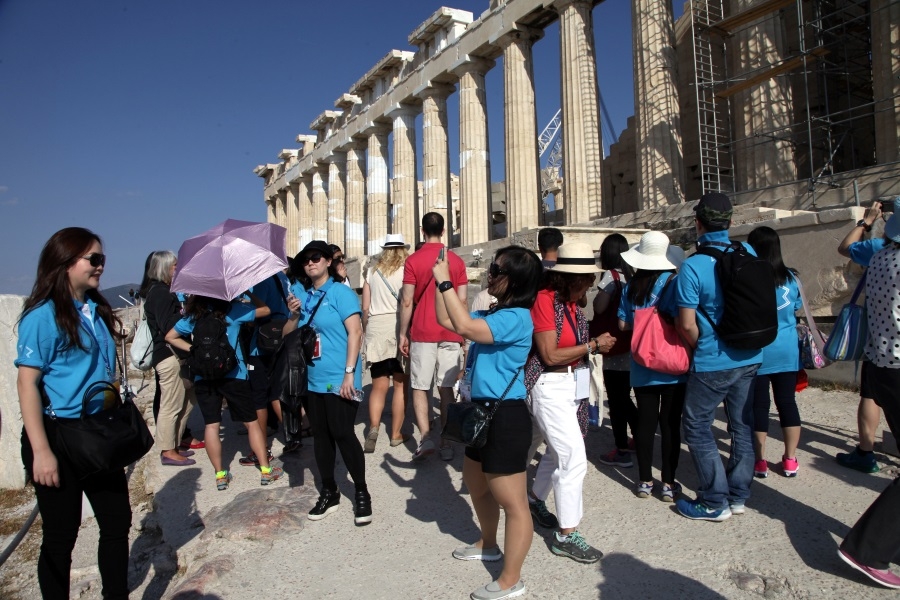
column 305, row 210
column 377, row 188
column 320, row 202
column 582, row 146
column 523, row 188
column 337, row 177
column 763, row 154
column 272, row 209
column 355, row 231
column 474, row 157
column 404, row 202
column 886, row 78
column 435, row 153
column 657, row 115
column 291, row 218
column 281, row 208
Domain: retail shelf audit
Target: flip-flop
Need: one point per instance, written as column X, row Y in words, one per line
column 171, row 462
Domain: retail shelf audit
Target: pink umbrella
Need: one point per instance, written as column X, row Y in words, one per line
column 229, row 258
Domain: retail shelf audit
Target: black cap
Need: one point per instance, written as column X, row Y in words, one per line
column 714, row 209
column 313, row 246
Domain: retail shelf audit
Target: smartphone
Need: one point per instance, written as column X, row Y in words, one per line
column 887, row 206
column 441, row 253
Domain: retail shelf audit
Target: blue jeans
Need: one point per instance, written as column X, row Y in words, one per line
column 717, row 485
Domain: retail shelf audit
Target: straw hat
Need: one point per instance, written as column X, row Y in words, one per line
column 575, row 257
column 394, row 240
column 654, row 253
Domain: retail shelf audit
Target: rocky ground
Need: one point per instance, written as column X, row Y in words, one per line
column 191, row 541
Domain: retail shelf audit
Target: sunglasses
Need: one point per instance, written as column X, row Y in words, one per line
column 96, row 259
column 496, row 271
column 311, row 258
column 338, row 259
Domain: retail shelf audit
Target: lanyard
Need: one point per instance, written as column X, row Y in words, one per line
column 97, row 334
column 575, row 331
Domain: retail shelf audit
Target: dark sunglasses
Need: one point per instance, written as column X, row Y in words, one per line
column 496, row 271
column 338, row 259
column 96, row 259
column 311, row 258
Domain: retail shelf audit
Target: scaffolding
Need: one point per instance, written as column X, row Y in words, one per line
column 783, row 91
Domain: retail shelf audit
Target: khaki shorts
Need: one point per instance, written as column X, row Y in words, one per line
column 433, row 362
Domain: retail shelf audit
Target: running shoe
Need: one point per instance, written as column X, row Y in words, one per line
column 223, row 478
column 476, row 553
column 573, row 546
column 267, row 477
column 790, row 466
column 615, row 458
column 670, row 493
column 644, row 489
column 426, row 448
column 252, row 461
column 697, row 510
column 761, row 469
column 859, row 461
column 542, row 516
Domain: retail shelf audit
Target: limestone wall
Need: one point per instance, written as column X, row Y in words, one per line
column 12, row 475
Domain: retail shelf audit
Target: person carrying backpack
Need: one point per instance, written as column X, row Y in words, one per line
column 721, row 371
column 219, row 366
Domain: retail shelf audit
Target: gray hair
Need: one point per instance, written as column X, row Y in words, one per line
column 161, row 265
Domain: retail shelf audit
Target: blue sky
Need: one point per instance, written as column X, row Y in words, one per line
column 143, row 120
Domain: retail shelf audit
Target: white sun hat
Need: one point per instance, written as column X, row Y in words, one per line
column 393, row 240
column 575, row 257
column 653, row 253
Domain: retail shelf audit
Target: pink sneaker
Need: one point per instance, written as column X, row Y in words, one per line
column 790, row 466
column 885, row 577
column 761, row 469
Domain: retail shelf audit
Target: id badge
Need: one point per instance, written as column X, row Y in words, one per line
column 582, row 383
column 317, row 349
column 465, row 387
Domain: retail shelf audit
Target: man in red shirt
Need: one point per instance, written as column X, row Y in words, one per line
column 433, row 350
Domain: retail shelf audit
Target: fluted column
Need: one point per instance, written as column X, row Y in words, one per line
column 377, row 188
column 305, row 210
column 886, row 78
column 272, row 209
column 523, row 189
column 355, row 232
column 582, row 147
column 474, row 158
column 658, row 137
column 320, row 202
column 404, row 202
column 435, row 153
column 337, row 177
column 763, row 154
column 291, row 218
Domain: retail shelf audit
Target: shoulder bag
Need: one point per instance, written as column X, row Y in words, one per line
column 268, row 334
column 810, row 339
column 848, row 338
column 655, row 344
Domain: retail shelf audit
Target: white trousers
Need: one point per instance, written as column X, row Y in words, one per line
column 564, row 465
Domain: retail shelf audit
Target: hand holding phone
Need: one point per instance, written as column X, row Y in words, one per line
column 441, row 253
column 887, row 206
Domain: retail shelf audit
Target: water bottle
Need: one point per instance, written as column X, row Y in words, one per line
column 593, row 415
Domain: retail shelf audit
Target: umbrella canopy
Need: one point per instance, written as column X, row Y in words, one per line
column 226, row 260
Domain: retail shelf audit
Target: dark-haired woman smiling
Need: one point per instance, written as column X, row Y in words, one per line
column 67, row 343
column 495, row 474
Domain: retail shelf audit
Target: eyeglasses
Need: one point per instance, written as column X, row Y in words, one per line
column 496, row 271
column 96, row 259
column 311, row 258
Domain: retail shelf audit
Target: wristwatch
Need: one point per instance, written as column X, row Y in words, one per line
column 445, row 286
column 349, row 370
column 862, row 223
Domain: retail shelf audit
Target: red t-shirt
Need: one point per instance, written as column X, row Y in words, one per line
column 544, row 318
column 417, row 272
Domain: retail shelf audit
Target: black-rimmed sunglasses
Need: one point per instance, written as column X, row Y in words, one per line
column 96, row 259
column 314, row 258
column 496, row 271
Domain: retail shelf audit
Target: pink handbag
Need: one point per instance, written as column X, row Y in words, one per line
column 656, row 345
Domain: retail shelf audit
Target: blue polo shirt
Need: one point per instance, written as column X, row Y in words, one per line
column 697, row 286
column 862, row 252
column 67, row 373
column 239, row 314
column 326, row 374
column 495, row 364
column 783, row 355
column 640, row 375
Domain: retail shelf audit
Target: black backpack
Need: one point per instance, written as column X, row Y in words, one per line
column 212, row 357
column 750, row 318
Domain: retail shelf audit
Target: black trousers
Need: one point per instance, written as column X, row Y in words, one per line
column 875, row 539
column 331, row 419
column 659, row 405
column 60, row 510
column 622, row 411
column 784, row 390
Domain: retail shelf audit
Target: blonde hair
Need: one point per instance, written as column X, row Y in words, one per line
column 391, row 259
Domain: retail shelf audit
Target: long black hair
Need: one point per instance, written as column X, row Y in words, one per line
column 767, row 244
column 641, row 285
column 523, row 276
column 611, row 254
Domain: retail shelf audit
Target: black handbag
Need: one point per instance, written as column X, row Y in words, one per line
column 468, row 422
column 105, row 441
column 268, row 334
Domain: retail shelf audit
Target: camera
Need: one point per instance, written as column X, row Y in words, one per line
column 887, row 206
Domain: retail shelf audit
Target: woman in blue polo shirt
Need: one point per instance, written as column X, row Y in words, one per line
column 67, row 342
column 334, row 375
column 234, row 387
column 495, row 473
column 781, row 361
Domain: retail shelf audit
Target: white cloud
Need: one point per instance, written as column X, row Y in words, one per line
column 9, row 202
